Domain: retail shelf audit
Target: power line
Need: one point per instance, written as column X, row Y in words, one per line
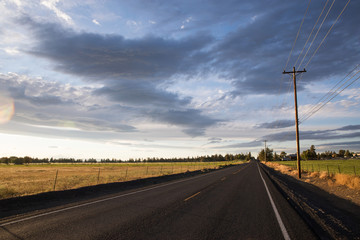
column 297, row 35
column 328, row 94
column 316, row 33
column 311, row 32
column 334, row 94
column 327, row 33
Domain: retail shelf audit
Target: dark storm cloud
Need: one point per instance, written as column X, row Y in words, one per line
column 214, row 140
column 33, row 92
column 104, row 57
column 310, row 135
column 254, row 56
column 349, row 128
column 343, row 144
column 276, row 124
column 251, row 144
column 250, row 54
column 331, row 134
column 132, row 71
column 193, row 120
column 141, row 93
column 42, row 103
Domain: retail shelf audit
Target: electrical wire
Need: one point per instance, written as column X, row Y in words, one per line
column 316, row 33
column 297, row 35
column 330, row 97
column 329, row 93
column 327, row 33
column 311, row 32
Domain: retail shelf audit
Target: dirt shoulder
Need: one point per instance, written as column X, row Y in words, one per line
column 341, row 185
column 330, row 215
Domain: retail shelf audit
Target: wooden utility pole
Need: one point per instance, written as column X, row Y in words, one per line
column 265, row 150
column 296, row 119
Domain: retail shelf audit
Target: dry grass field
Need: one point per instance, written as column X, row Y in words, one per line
column 332, row 170
column 21, row 180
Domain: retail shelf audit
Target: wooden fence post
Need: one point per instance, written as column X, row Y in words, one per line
column 57, row 171
column 98, row 177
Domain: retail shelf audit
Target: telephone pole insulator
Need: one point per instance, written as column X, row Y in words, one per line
column 296, row 119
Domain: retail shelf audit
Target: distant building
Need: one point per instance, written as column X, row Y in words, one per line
column 286, row 159
column 289, row 157
column 357, row 154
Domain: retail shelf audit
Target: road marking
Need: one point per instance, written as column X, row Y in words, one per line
column 192, row 196
column 236, row 172
column 101, row 200
column 281, row 224
column 223, row 179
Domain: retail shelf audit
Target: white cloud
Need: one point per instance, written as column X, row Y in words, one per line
column 11, row 51
column 131, row 23
column 18, row 3
column 188, row 20
column 51, row 4
column 152, row 22
column 96, row 22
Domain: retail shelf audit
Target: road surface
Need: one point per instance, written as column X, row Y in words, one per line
column 233, row 203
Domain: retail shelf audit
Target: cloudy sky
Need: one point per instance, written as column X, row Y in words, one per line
column 137, row 79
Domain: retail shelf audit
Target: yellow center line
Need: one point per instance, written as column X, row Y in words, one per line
column 192, row 196
column 240, row 170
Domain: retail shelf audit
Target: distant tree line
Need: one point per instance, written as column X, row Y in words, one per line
column 212, row 158
column 207, row 158
column 309, row 154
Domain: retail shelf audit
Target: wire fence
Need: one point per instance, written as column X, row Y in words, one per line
column 27, row 180
column 329, row 168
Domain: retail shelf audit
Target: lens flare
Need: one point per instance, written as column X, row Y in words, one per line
column 6, row 109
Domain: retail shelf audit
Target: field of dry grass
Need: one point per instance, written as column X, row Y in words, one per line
column 31, row 179
column 348, row 180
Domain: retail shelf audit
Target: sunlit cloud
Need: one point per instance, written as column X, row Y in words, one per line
column 52, row 5
column 6, row 109
column 96, row 22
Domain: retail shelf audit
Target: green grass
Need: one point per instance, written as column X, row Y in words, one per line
column 346, row 166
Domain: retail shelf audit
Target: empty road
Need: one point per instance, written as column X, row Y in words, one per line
column 233, row 203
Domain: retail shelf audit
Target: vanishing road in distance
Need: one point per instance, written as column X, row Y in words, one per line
column 233, row 203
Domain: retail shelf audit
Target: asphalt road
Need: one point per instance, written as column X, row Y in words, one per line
column 233, row 203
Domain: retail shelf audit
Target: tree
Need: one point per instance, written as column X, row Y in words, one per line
column 309, row 154
column 282, row 154
column 347, row 154
column 269, row 155
column 341, row 153
column 276, row 157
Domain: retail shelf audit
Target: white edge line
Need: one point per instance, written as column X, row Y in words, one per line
column 101, row 200
column 281, row 224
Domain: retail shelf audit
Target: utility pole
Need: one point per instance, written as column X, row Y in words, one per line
column 296, row 119
column 265, row 150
